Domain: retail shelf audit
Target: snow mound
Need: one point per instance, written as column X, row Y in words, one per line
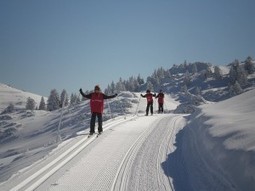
column 217, row 147
column 126, row 94
column 234, row 120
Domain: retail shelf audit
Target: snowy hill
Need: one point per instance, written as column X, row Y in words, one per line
column 210, row 149
column 17, row 97
column 26, row 136
column 218, row 146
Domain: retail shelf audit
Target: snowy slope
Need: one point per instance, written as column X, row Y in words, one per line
column 34, row 134
column 216, row 149
column 17, row 97
column 234, row 120
column 211, row 149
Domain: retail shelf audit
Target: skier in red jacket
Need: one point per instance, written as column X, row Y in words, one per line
column 149, row 96
column 97, row 107
column 160, row 97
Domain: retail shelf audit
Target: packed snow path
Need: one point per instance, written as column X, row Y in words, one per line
column 127, row 156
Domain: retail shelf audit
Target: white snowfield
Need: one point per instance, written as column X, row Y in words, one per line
column 18, row 97
column 211, row 149
column 135, row 144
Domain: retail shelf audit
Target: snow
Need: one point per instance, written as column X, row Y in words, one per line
column 233, row 118
column 218, row 145
column 17, row 97
column 211, row 149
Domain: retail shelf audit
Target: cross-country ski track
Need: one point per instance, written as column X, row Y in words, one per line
column 127, row 156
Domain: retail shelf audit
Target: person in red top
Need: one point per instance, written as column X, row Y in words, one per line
column 149, row 96
column 97, row 107
column 160, row 97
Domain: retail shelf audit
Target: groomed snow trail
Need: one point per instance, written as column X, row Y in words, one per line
column 141, row 168
column 127, row 156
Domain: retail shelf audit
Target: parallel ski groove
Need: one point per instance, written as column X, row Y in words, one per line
column 32, row 182
column 160, row 137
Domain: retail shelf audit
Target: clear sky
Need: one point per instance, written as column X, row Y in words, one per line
column 80, row 43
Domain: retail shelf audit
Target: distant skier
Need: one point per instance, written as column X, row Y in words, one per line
column 160, row 97
column 97, row 107
column 149, row 97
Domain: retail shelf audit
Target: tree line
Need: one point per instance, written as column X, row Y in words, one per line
column 237, row 77
column 55, row 101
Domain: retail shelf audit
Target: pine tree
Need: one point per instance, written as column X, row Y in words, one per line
column 150, row 86
column 235, row 89
column 64, row 98
column 198, row 91
column 238, row 74
column 187, row 78
column 194, row 68
column 53, row 100
column 249, row 65
column 42, row 105
column 120, row 86
column 30, row 105
column 140, row 80
column 74, row 99
column 217, row 73
column 9, row 109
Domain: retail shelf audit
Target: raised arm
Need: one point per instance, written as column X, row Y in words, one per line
column 84, row 95
column 109, row 97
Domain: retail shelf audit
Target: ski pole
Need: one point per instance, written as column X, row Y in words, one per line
column 60, row 121
column 136, row 111
column 109, row 108
column 122, row 108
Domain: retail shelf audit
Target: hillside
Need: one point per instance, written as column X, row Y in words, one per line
column 218, row 146
column 211, row 149
column 17, row 97
column 208, row 114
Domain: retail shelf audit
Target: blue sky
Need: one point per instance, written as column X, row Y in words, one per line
column 71, row 44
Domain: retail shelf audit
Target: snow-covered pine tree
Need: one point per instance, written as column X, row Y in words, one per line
column 187, row 78
column 150, row 86
column 197, row 91
column 74, row 99
column 42, row 105
column 53, row 100
column 64, row 100
column 237, row 73
column 194, row 68
column 249, row 66
column 184, row 89
column 30, row 105
column 235, row 89
column 120, row 86
column 140, row 80
column 9, row 109
column 217, row 73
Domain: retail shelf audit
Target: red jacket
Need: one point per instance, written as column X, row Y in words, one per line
column 160, row 97
column 149, row 97
column 97, row 101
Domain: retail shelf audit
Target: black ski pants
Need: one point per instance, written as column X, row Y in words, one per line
column 160, row 108
column 149, row 107
column 93, row 122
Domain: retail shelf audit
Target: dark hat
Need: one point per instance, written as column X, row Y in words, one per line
column 97, row 88
column 148, row 91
